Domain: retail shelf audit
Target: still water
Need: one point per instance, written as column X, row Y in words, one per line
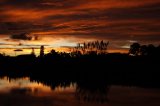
column 24, row 92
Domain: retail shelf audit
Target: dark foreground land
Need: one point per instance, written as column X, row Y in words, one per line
column 116, row 69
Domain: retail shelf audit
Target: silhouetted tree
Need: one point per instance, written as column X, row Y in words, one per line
column 143, row 50
column 42, row 51
column 134, row 49
column 151, row 49
column 158, row 50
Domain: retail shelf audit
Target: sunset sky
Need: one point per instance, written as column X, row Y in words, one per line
column 59, row 23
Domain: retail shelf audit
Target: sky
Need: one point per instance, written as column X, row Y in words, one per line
column 64, row 23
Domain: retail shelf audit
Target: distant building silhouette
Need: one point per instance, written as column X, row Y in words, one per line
column 42, row 51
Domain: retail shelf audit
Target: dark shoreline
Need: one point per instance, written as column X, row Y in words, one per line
column 112, row 69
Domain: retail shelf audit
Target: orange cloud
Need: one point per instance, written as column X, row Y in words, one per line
column 66, row 22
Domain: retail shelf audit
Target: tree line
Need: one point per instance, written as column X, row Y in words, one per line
column 137, row 49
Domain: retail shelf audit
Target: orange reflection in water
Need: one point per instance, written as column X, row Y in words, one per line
column 9, row 85
column 25, row 86
column 23, row 92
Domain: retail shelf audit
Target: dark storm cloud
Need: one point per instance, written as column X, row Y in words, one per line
column 21, row 27
column 151, row 11
column 23, row 36
column 119, row 27
column 42, row 4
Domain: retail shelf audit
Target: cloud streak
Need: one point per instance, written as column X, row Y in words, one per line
column 113, row 20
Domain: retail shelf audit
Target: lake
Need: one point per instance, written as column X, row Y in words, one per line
column 28, row 92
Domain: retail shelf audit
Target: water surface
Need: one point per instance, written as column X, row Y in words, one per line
column 24, row 92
